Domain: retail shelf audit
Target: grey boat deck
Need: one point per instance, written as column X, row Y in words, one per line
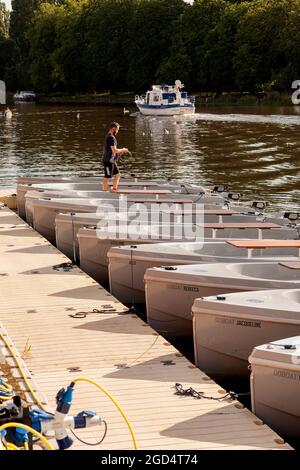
column 41, row 293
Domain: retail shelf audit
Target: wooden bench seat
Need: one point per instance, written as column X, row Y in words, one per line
column 204, row 212
column 261, row 244
column 143, row 191
column 259, row 226
column 161, row 201
column 239, row 225
column 251, row 244
column 295, row 265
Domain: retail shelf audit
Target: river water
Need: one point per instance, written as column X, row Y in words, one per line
column 254, row 150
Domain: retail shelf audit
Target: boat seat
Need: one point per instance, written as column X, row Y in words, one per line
column 259, row 226
column 144, row 191
column 241, row 225
column 217, row 212
column 161, row 201
column 295, row 265
column 205, row 212
column 252, row 244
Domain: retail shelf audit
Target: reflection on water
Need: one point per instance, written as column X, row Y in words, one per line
column 255, row 151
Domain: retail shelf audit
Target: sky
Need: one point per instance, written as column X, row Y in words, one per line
column 7, row 3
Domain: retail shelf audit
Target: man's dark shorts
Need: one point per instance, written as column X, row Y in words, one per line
column 110, row 169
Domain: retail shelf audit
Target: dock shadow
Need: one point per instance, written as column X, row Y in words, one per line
column 221, row 429
column 39, row 248
column 94, row 292
column 163, row 368
column 62, row 268
column 10, row 219
column 17, row 232
column 113, row 325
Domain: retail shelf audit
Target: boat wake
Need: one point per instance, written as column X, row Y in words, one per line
column 288, row 120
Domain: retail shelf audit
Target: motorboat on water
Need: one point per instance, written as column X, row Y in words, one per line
column 166, row 100
column 25, row 96
column 170, row 295
column 131, row 262
column 275, row 377
column 95, row 242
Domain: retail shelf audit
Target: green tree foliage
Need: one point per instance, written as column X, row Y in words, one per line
column 261, row 53
column 151, row 29
column 6, row 45
column 212, row 45
column 4, row 21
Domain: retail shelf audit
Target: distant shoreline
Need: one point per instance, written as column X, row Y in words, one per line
column 237, row 99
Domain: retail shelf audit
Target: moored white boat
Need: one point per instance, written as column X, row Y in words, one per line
column 94, row 243
column 227, row 327
column 44, row 210
column 130, row 262
column 25, row 96
column 275, row 377
column 61, row 185
column 170, row 294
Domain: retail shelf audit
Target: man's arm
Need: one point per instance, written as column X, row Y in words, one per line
column 117, row 151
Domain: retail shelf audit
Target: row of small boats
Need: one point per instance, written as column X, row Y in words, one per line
column 208, row 267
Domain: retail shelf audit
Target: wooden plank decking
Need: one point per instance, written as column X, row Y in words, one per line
column 40, row 295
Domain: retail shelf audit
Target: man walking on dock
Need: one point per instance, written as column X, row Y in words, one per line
column 111, row 153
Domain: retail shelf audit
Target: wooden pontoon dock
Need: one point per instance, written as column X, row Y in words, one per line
column 65, row 326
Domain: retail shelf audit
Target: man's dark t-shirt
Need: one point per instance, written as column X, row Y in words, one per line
column 109, row 141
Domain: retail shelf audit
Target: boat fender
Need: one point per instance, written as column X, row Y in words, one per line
column 260, row 205
column 292, row 216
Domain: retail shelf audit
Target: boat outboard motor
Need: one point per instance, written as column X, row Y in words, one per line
column 234, row 196
column 259, row 205
column 221, row 188
column 292, row 216
column 231, row 197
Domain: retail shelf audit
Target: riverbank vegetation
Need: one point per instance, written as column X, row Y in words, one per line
column 94, row 46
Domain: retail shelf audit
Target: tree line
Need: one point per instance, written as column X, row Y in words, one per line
column 95, row 45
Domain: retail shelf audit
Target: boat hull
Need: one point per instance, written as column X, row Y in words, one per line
column 165, row 111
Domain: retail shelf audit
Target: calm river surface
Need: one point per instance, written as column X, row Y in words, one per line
column 253, row 150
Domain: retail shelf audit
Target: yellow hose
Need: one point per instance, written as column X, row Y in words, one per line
column 26, row 447
column 6, row 387
column 30, row 430
column 82, row 379
column 38, row 402
column 40, row 405
column 10, row 446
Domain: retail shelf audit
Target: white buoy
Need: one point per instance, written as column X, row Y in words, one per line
column 126, row 111
column 78, row 115
column 167, row 132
